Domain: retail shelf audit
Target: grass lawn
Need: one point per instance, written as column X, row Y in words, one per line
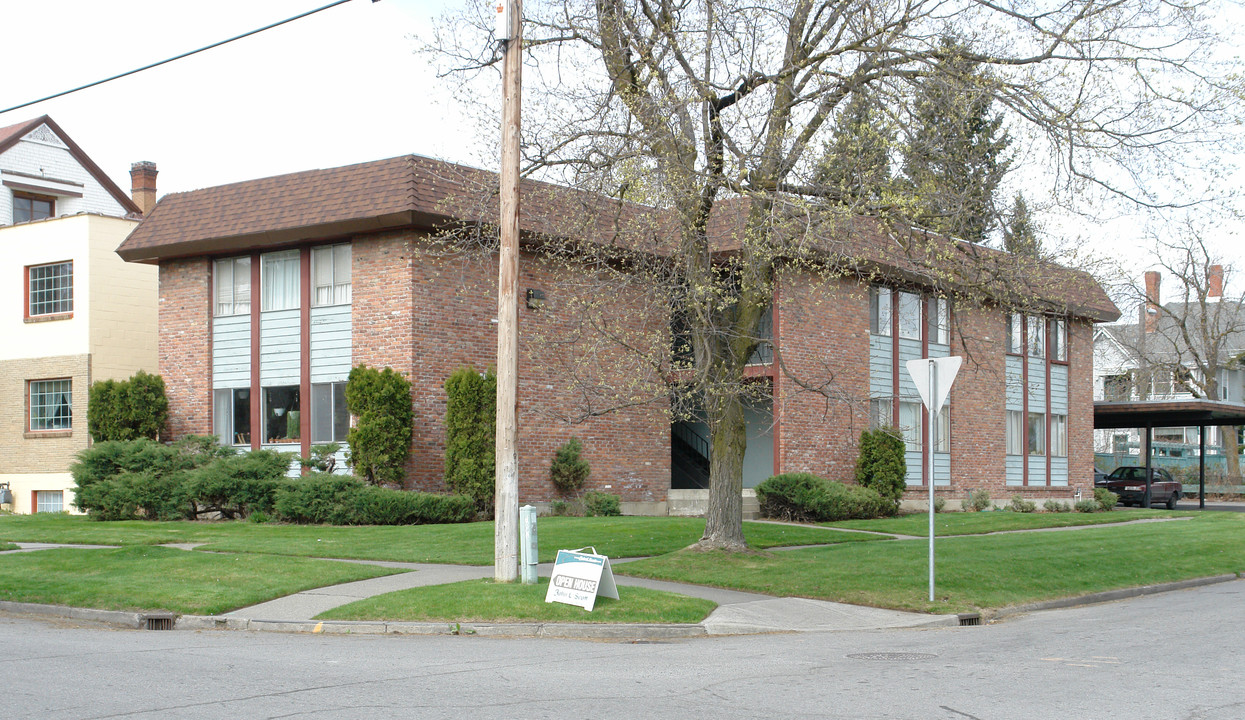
column 486, row 601
column 156, row 578
column 974, row 571
column 467, row 544
column 8, row 546
column 973, row 523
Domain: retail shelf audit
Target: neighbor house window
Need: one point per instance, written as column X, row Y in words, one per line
column 280, row 280
column 233, row 286
column 1015, row 432
column 880, row 311
column 909, row 315
column 231, row 416
column 51, row 405
column 49, row 501
column 330, row 274
column 1059, row 435
column 50, row 289
column 282, row 416
column 32, row 207
column 330, row 420
column 1037, row 433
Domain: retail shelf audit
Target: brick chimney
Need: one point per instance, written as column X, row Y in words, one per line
column 1150, row 311
column 1214, row 283
column 143, row 185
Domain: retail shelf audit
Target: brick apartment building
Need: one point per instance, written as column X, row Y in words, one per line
column 75, row 313
column 272, row 289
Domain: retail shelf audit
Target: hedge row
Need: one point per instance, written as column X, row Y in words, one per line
column 145, row 480
column 804, row 497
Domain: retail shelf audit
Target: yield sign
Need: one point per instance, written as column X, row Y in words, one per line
column 944, row 374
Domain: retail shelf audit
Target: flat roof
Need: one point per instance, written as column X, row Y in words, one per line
column 1167, row 413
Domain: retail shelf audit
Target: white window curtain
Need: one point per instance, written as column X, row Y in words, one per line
column 280, row 276
column 1059, row 435
column 330, row 269
column 910, row 425
column 233, row 286
column 1015, row 432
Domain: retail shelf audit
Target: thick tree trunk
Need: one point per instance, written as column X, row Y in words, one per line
column 724, row 518
column 1231, row 450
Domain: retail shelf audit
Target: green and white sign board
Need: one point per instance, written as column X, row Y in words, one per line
column 579, row 577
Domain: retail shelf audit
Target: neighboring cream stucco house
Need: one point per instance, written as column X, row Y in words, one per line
column 74, row 312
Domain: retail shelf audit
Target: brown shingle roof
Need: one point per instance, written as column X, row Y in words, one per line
column 415, row 191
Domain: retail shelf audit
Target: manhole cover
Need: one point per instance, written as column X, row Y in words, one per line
column 892, row 656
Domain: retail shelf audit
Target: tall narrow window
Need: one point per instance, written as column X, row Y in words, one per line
column 910, row 425
column 942, row 430
column 1059, row 435
column 50, row 289
column 231, row 416
column 1059, row 339
column 51, row 405
column 280, row 280
column 1035, row 338
column 330, row 420
column 939, row 321
column 881, row 413
column 909, row 315
column 1015, row 432
column 330, row 272
column 233, row 286
column 880, row 311
column 1015, row 340
column 1037, row 433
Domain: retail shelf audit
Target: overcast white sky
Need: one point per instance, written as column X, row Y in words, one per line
column 338, row 87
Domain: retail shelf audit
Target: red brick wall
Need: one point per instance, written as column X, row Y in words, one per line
column 186, row 344
column 1081, row 407
column 978, row 399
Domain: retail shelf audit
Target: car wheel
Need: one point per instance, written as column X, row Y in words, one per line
column 1171, row 501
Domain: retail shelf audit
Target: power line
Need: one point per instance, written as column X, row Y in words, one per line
column 177, row 57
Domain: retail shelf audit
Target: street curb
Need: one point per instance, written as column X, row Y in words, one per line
column 109, row 617
column 525, row 630
column 1109, row 596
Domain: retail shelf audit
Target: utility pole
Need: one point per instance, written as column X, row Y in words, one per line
column 506, row 513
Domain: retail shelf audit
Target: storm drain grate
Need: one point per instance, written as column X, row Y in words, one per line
column 892, row 656
column 967, row 619
column 158, row 621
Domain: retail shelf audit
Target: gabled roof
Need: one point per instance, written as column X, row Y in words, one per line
column 11, row 135
column 1166, row 343
column 416, row 191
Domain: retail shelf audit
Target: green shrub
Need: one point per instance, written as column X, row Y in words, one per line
column 127, row 409
column 380, row 441
column 383, row 506
column 322, row 458
column 569, row 471
column 1056, row 507
column 136, row 496
column 1106, row 499
column 163, row 466
column 1087, row 506
column 470, row 432
column 977, row 500
column 940, row 504
column 600, row 504
column 804, row 497
column 238, row 485
column 559, row 508
column 317, row 499
column 880, row 464
column 1021, row 505
column 258, row 517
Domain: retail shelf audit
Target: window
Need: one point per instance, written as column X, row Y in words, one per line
column 280, row 280
column 939, row 321
column 910, row 425
column 231, row 416
column 1117, row 388
column 330, row 272
column 1015, row 431
column 51, row 405
column 1035, row 340
column 330, row 420
column 233, row 286
column 1013, row 334
column 50, row 289
column 282, row 421
column 1037, row 433
column 49, row 501
column 32, row 207
column 880, row 311
column 881, row 413
column 1059, row 435
column 909, row 315
column 942, row 430
column 1059, row 339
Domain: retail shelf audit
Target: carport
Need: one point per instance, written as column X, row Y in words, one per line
column 1150, row 414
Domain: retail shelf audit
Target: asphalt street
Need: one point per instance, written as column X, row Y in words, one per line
column 1170, row 656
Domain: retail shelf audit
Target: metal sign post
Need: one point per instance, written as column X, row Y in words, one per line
column 933, row 378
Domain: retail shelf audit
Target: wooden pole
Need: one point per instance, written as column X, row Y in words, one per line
column 506, row 513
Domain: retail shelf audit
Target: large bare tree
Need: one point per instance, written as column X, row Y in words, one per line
column 688, row 104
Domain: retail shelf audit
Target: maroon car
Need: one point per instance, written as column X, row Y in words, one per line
column 1130, row 484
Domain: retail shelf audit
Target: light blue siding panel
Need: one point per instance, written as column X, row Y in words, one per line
column 1059, row 471
column 942, row 469
column 330, row 343
column 1015, row 469
column 880, row 367
column 909, row 350
column 939, row 351
column 1059, row 389
column 280, row 353
column 1037, row 385
column 913, row 461
column 1037, row 470
column 231, row 352
column 1015, row 383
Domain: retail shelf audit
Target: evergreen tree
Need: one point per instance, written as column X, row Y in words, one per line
column 856, row 162
column 1020, row 233
column 953, row 160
